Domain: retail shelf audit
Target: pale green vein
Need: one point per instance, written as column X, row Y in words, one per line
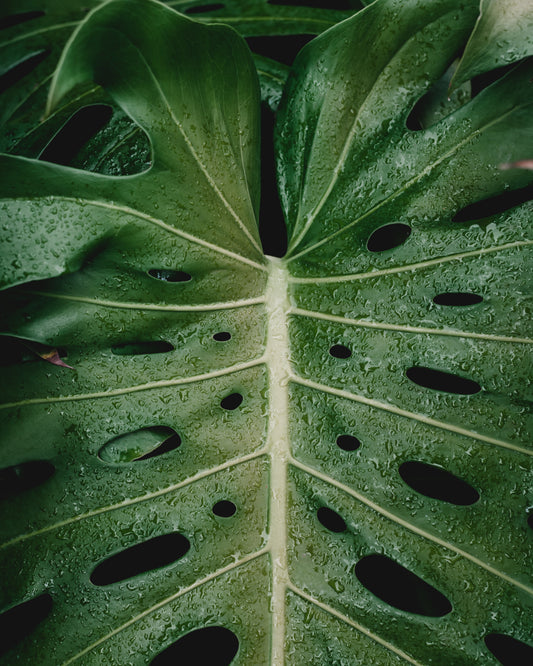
column 408, row 329
column 413, row 181
column 276, row 19
column 359, row 627
column 177, row 232
column 164, row 602
column 413, row 528
column 410, row 415
column 410, row 267
column 134, row 389
column 207, row 307
column 133, row 501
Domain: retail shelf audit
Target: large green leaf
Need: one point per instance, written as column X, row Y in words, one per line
column 299, row 425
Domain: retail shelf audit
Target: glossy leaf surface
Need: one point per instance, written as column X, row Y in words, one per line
column 295, row 392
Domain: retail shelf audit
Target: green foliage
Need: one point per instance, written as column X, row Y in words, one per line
column 287, row 436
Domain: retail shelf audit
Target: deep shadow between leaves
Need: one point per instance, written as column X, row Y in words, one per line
column 146, row 556
column 19, row 622
column 272, row 227
column 24, row 476
column 21, row 69
column 75, row 133
column 399, row 587
column 16, row 19
column 509, row 651
column 442, row 381
column 437, row 483
column 320, row 4
column 283, row 48
column 213, row 646
column 202, row 9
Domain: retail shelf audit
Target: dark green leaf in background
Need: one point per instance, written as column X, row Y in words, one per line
column 324, row 458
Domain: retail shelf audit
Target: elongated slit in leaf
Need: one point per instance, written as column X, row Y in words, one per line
column 437, row 483
column 140, row 445
column 494, row 205
column 457, row 299
column 138, row 348
column 442, row 381
column 24, row 476
column 201, row 9
column 19, row 622
column 167, row 275
column 509, row 651
column 388, row 237
column 399, row 587
column 146, row 556
column 214, row 645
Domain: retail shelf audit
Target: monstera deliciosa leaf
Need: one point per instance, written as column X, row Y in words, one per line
column 321, row 458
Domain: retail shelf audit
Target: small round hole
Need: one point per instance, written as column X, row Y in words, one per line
column 167, row 275
column 388, row 237
column 340, row 351
column 224, row 509
column 330, row 519
column 348, row 442
column 231, row 401
column 223, row 336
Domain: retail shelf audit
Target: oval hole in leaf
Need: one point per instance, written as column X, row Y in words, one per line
column 272, row 227
column 138, row 348
column 388, row 237
column 283, row 48
column 348, row 442
column 21, row 69
column 330, row 519
column 213, row 646
column 75, row 133
column 494, row 205
column 200, row 9
column 442, row 381
column 17, row 623
column 224, row 509
column 19, row 478
column 340, row 351
column 437, row 483
column 16, row 19
column 140, row 445
column 457, row 298
column 146, row 556
column 231, row 401
column 399, row 587
column 509, row 651
column 223, row 336
column 167, row 275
